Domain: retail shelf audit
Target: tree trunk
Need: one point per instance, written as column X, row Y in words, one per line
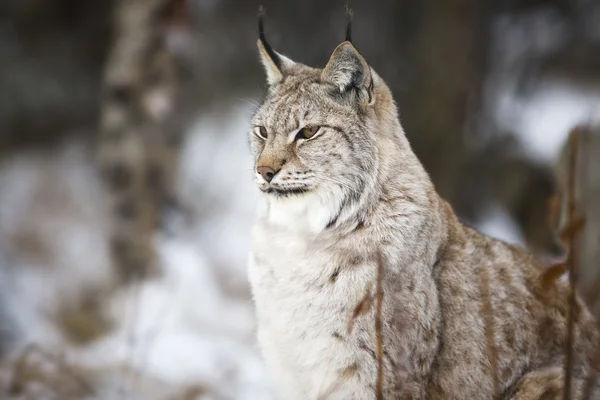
column 137, row 149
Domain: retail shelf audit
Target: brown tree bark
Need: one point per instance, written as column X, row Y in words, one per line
column 449, row 55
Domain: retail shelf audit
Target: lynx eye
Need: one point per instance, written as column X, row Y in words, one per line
column 261, row 132
column 307, row 132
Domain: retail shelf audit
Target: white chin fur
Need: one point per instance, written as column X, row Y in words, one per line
column 307, row 212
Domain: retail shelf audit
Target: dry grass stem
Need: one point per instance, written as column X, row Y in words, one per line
column 573, row 227
column 379, row 326
column 552, row 274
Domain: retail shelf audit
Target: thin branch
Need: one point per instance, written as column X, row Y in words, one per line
column 591, row 379
column 574, row 140
column 554, row 210
column 379, row 326
column 552, row 274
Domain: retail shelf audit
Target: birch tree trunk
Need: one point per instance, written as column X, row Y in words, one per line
column 137, row 147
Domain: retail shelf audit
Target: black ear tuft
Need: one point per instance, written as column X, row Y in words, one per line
column 261, row 35
column 349, row 18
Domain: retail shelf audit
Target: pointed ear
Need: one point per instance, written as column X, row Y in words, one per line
column 347, row 70
column 275, row 64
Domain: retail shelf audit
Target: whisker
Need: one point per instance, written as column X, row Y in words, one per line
column 338, row 182
column 255, row 104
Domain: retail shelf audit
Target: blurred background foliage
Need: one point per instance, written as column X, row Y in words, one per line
column 488, row 91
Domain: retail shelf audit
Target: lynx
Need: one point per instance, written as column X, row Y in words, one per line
column 343, row 189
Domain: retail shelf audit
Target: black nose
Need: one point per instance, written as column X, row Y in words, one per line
column 266, row 172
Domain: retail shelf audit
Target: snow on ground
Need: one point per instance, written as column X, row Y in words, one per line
column 52, row 236
column 194, row 325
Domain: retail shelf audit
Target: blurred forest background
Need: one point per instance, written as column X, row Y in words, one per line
column 488, row 91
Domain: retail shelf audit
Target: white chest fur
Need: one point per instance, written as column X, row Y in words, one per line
column 301, row 313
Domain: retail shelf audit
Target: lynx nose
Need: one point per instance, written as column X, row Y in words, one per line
column 266, row 172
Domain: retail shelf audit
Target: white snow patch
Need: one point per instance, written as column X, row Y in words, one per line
column 193, row 325
column 543, row 120
column 498, row 224
column 53, row 226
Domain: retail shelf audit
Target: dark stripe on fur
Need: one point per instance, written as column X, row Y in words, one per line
column 343, row 133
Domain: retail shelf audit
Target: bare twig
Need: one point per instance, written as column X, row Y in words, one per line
column 379, row 326
column 488, row 319
column 554, row 209
column 552, row 273
column 591, row 379
column 556, row 270
column 571, row 230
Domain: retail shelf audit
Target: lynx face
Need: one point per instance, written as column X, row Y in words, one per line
column 305, row 139
column 314, row 132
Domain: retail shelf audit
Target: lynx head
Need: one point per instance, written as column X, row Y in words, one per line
column 316, row 132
